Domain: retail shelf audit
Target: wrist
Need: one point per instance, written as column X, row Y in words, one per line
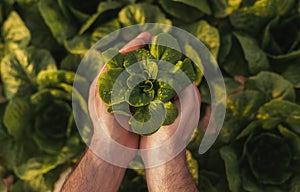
column 116, row 151
column 171, row 176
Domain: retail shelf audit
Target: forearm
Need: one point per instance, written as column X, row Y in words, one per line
column 93, row 174
column 171, row 176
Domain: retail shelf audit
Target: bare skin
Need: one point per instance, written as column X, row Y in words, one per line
column 94, row 174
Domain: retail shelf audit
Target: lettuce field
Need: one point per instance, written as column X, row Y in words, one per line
column 256, row 44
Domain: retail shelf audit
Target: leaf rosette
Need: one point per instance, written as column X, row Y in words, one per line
column 263, row 142
column 142, row 83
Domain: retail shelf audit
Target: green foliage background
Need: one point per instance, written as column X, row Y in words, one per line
column 256, row 44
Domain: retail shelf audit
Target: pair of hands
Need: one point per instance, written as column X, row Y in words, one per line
column 117, row 144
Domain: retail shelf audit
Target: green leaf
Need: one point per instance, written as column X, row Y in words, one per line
column 135, row 79
column 60, row 26
column 142, row 13
column 141, row 62
column 292, row 75
column 14, row 32
column 106, row 83
column 121, row 109
column 294, row 121
column 201, row 5
column 251, row 19
column 187, row 67
column 17, row 117
column 207, row 34
column 19, row 70
column 241, row 109
column 171, row 114
column 52, row 126
column 238, row 65
column 116, row 61
column 41, row 36
column 105, row 29
column 79, row 44
column 70, row 62
column 165, row 47
column 164, row 91
column 272, row 85
column 148, row 119
column 46, row 96
column 102, row 8
column 281, row 111
column 139, row 97
column 42, row 164
column 232, row 168
column 256, row 58
column 197, row 63
column 180, row 10
column 293, row 140
column 52, row 78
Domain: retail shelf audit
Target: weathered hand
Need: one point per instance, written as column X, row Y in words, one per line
column 110, row 136
column 170, row 140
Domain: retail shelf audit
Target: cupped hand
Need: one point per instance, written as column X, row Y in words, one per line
column 169, row 141
column 112, row 141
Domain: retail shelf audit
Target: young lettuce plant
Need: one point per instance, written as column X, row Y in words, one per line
column 142, row 83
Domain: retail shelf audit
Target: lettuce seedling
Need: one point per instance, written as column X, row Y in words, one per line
column 142, row 83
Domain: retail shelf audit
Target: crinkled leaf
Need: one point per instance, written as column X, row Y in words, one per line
column 19, row 70
column 232, row 168
column 256, row 58
column 116, row 61
column 142, row 13
column 106, row 83
column 14, row 32
column 138, row 97
column 59, row 25
column 135, row 79
column 141, row 62
column 279, row 111
column 52, row 78
column 148, row 119
column 171, row 114
column 272, row 85
column 17, row 117
column 187, row 67
column 164, row 47
column 207, row 34
column 164, row 91
column 181, row 10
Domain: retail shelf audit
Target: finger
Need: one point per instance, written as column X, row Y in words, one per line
column 139, row 42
